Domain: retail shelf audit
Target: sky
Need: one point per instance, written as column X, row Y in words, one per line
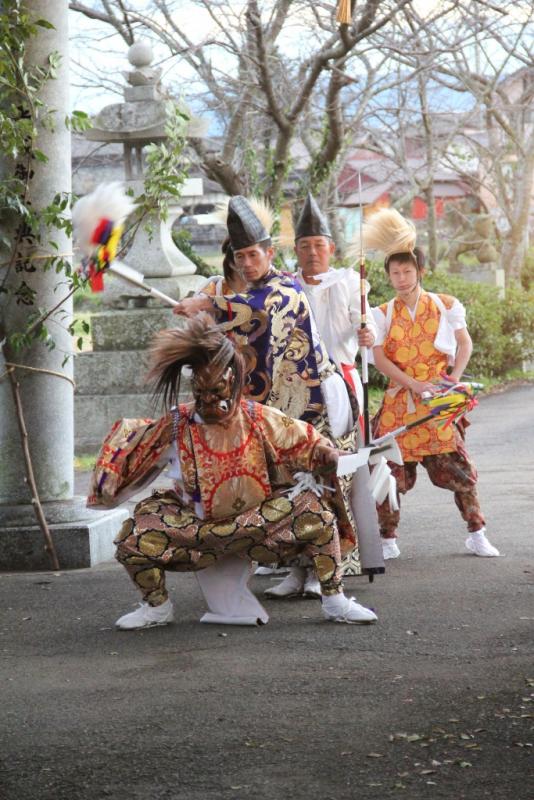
column 95, row 47
column 102, row 48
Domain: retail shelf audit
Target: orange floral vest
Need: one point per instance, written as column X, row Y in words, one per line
column 409, row 344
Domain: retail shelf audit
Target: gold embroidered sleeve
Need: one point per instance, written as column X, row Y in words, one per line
column 132, row 455
column 292, row 440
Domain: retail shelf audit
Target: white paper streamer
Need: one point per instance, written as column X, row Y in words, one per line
column 383, row 484
column 347, row 464
column 307, row 483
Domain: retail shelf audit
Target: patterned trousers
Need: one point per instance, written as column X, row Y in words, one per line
column 453, row 471
column 165, row 535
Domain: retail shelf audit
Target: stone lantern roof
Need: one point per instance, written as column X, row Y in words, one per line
column 141, row 118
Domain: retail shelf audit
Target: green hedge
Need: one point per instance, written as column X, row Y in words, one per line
column 502, row 329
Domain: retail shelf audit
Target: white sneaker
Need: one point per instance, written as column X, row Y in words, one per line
column 390, row 549
column 312, row 587
column 338, row 608
column 146, row 616
column 479, row 545
column 291, row 586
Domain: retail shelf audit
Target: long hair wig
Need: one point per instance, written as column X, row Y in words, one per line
column 200, row 343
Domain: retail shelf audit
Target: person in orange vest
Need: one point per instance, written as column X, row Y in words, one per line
column 421, row 336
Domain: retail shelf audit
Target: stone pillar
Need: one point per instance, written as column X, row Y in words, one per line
column 47, row 399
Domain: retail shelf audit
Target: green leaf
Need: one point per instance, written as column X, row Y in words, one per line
column 44, row 23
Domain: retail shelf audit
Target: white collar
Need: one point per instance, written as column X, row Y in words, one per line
column 413, row 312
column 326, row 279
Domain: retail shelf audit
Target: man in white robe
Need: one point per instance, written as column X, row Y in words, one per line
column 334, row 298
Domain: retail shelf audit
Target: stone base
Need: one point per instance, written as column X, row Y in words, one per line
column 79, row 543
column 110, row 372
column 130, row 330
column 486, row 273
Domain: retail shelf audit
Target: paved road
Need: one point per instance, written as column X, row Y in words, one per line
column 435, row 701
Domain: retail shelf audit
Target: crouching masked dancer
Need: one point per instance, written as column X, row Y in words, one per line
column 237, row 487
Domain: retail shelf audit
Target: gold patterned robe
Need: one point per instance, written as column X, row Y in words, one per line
column 227, row 469
column 238, row 475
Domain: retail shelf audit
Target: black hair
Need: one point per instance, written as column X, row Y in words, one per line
column 415, row 257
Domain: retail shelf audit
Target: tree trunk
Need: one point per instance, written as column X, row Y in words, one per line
column 432, row 227
column 513, row 253
column 515, row 244
column 430, row 169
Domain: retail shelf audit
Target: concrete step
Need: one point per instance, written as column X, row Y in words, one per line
column 132, row 329
column 111, row 372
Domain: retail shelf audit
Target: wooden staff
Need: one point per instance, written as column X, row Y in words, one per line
column 363, row 325
column 131, row 275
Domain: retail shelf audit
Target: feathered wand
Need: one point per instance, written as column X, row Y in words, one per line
column 446, row 407
column 449, row 405
column 98, row 222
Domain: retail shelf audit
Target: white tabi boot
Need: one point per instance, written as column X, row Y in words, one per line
column 390, row 548
column 478, row 544
column 261, row 570
column 312, row 587
column 146, row 616
column 338, row 608
column 292, row 586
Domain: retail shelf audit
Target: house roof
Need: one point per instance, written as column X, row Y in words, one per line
column 370, row 194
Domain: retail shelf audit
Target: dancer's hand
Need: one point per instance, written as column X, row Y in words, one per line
column 423, row 387
column 325, row 459
column 452, row 378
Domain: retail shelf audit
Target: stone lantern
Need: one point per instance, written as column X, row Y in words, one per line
column 135, row 123
column 111, row 376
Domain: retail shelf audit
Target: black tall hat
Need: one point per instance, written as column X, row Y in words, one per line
column 244, row 227
column 311, row 221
